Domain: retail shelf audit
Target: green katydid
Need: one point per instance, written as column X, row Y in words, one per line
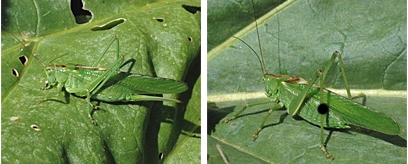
column 317, row 105
column 108, row 84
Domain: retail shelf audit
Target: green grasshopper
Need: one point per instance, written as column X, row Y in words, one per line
column 316, row 104
column 108, row 84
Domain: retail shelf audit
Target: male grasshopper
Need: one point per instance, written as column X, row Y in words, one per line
column 108, row 84
column 316, row 104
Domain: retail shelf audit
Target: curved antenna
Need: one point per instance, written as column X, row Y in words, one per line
column 56, row 58
column 24, row 46
column 279, row 60
column 261, row 59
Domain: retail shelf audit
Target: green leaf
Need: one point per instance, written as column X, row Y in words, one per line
column 292, row 140
column 372, row 41
column 186, row 150
column 156, row 38
column 373, row 45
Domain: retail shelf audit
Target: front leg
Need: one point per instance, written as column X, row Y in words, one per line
column 92, row 107
column 81, row 92
column 59, row 90
column 46, row 86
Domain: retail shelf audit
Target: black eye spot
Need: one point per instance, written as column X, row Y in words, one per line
column 323, row 108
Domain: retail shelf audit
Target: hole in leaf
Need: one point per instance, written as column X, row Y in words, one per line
column 108, row 25
column 159, row 19
column 161, row 155
column 190, row 39
column 23, row 59
column 191, row 9
column 15, row 72
column 81, row 15
column 35, row 127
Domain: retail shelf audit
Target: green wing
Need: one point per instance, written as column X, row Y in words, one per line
column 342, row 110
column 146, row 84
column 138, row 84
column 360, row 115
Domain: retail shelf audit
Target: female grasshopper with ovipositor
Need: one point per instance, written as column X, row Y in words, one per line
column 319, row 106
column 107, row 84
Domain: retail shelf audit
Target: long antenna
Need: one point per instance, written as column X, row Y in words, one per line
column 259, row 41
column 279, row 61
column 260, row 61
column 23, row 46
column 56, row 58
column 260, row 57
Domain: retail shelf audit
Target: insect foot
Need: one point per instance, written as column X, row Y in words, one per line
column 227, row 120
column 41, row 101
column 92, row 120
column 255, row 135
column 93, row 108
column 46, row 86
column 328, row 155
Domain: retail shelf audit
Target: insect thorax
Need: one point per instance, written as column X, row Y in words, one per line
column 272, row 83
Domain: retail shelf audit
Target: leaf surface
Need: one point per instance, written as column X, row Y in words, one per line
column 298, row 38
column 158, row 38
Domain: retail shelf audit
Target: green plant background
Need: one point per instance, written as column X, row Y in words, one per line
column 297, row 38
column 140, row 132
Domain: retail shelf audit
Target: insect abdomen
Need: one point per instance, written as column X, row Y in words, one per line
column 308, row 110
